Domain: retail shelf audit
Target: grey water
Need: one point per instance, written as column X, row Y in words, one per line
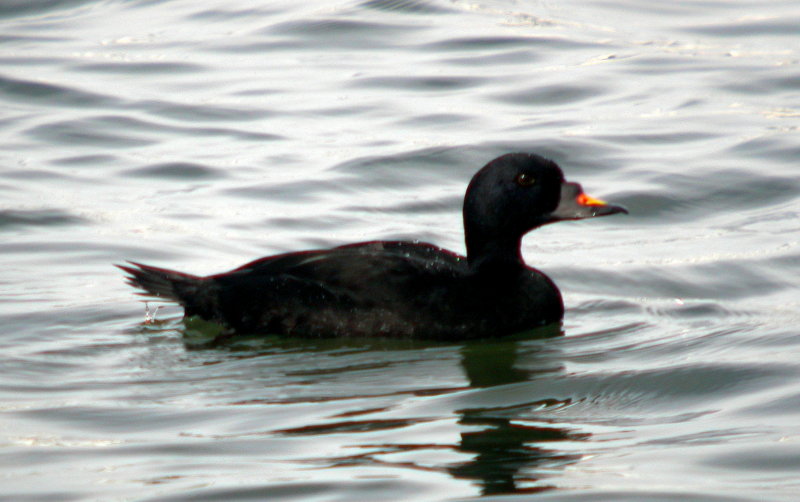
column 201, row 135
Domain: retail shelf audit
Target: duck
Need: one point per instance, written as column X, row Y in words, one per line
column 401, row 289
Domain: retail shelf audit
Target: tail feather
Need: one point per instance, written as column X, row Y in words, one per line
column 161, row 282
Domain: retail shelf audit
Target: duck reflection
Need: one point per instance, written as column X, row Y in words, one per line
column 506, row 443
column 508, row 455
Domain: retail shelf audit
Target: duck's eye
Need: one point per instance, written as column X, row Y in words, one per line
column 525, row 180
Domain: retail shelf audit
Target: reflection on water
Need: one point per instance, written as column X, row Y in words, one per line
column 506, row 461
column 505, row 455
column 508, row 456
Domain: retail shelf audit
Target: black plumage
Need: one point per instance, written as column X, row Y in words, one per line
column 402, row 289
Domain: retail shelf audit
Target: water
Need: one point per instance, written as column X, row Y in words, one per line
column 199, row 136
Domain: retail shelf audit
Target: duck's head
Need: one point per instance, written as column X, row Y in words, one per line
column 512, row 195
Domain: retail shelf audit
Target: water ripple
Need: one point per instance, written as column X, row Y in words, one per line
column 86, row 132
column 37, row 7
column 10, row 218
column 176, row 170
column 202, row 112
column 430, row 83
column 405, row 6
column 489, row 43
column 770, row 27
column 141, row 68
column 550, row 95
column 30, row 91
column 342, row 33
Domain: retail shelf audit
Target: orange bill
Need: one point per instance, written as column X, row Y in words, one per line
column 588, row 200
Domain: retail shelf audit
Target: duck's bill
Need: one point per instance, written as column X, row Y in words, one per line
column 576, row 205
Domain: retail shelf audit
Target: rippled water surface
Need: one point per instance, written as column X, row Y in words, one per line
column 201, row 135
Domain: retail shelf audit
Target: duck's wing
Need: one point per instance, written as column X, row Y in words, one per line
column 358, row 276
column 378, row 287
column 371, row 287
column 412, row 250
column 380, row 254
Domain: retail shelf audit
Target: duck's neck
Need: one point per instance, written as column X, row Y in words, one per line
column 494, row 256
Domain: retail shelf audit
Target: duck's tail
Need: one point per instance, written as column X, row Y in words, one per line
column 162, row 283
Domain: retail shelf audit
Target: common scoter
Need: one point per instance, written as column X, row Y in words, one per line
column 398, row 288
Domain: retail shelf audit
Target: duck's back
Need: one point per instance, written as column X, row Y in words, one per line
column 380, row 288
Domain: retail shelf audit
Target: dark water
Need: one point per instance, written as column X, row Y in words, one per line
column 200, row 135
